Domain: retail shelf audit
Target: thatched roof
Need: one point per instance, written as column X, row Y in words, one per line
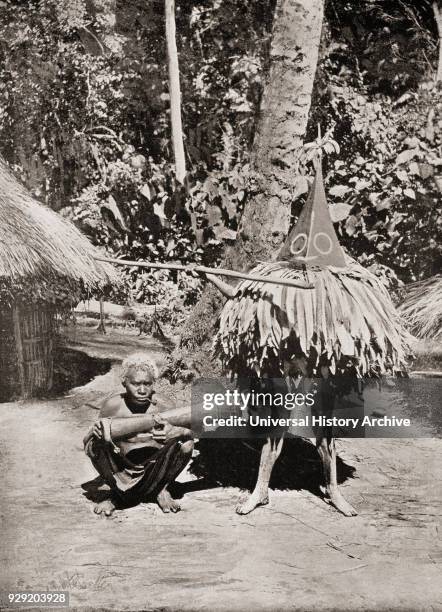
column 422, row 308
column 348, row 314
column 38, row 244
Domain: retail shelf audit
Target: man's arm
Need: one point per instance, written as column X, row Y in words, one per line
column 128, row 426
column 164, row 430
column 109, row 408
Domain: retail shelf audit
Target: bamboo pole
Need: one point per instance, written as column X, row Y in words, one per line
column 273, row 280
column 175, row 92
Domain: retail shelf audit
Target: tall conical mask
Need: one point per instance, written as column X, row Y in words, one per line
column 313, row 240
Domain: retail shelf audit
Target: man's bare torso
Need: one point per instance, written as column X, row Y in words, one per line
column 117, row 406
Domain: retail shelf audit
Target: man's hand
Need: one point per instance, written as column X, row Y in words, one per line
column 97, row 430
column 164, row 431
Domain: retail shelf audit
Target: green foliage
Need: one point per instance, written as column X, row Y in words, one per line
column 385, row 191
column 87, row 125
column 384, row 186
column 84, row 118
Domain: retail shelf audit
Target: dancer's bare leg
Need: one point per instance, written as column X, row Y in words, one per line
column 260, row 496
column 327, row 451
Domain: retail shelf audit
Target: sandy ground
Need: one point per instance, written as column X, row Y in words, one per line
column 296, row 553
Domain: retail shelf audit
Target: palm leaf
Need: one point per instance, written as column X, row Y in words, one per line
column 346, row 309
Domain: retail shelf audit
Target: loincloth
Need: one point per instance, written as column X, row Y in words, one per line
column 138, row 474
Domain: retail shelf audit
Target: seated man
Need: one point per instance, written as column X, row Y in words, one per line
column 138, row 466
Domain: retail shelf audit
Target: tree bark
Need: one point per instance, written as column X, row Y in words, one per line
column 278, row 143
column 437, row 10
column 283, row 121
column 175, row 92
column 101, row 326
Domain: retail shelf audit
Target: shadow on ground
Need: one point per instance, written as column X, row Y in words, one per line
column 235, row 463
column 95, row 490
column 74, row 368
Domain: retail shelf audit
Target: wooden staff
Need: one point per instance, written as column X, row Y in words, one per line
column 215, row 271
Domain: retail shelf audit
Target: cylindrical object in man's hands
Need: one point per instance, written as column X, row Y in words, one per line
column 123, row 427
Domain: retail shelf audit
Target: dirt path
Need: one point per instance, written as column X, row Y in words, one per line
column 297, row 553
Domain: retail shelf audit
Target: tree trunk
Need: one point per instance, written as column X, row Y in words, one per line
column 437, row 10
column 278, row 142
column 174, row 92
column 283, row 121
column 101, row 326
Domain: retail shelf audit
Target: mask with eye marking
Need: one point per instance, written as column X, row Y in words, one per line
column 313, row 240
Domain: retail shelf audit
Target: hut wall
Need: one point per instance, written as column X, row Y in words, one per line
column 9, row 382
column 26, row 361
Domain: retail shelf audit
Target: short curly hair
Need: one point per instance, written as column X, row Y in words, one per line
column 139, row 362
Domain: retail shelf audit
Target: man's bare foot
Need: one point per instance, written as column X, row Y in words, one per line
column 252, row 502
column 105, row 507
column 336, row 499
column 167, row 503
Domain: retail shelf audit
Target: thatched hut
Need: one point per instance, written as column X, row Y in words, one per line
column 422, row 308
column 46, row 265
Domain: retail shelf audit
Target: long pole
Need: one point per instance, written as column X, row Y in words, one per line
column 175, row 91
column 274, row 280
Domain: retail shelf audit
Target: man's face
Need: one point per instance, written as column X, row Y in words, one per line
column 139, row 385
